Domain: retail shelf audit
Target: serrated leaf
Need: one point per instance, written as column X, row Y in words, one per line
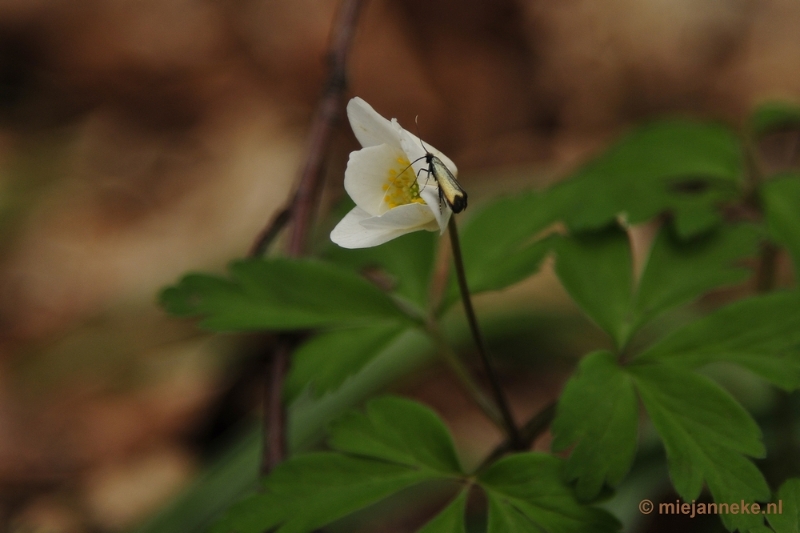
column 781, row 198
column 678, row 166
column 327, row 360
column 758, row 333
column 787, row 519
column 707, row 436
column 595, row 268
column 408, row 260
column 279, row 294
column 451, row 519
column 397, row 444
column 526, row 493
column 400, row 431
column 771, row 116
column 311, row 490
column 680, row 270
column 598, row 413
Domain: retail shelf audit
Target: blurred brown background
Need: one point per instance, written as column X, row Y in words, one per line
column 140, row 139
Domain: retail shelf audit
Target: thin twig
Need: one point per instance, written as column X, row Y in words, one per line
column 528, row 434
column 271, row 231
column 326, row 115
column 766, row 271
column 274, row 449
column 768, row 255
column 301, row 211
column 497, row 390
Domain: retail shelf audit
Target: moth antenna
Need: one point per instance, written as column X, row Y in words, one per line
column 419, row 136
column 410, row 164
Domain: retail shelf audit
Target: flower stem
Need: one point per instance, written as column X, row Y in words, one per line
column 499, row 395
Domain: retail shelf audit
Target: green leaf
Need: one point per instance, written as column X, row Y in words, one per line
column 311, row 490
column 236, row 473
column 678, row 166
column 759, row 333
column 498, row 243
column 787, row 520
column 526, row 493
column 327, row 360
column 707, row 436
column 279, row 294
column 761, row 528
column 679, row 270
column 408, row 260
column 595, row 268
column 771, row 116
column 451, row 519
column 309, row 417
column 397, row 444
column 400, row 431
column 598, row 413
column 780, row 198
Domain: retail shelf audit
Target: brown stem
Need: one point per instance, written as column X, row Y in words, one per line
column 766, row 272
column 497, row 390
column 301, row 210
column 274, row 449
column 268, row 234
column 325, row 117
column 528, row 434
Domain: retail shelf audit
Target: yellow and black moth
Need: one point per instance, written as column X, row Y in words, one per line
column 450, row 190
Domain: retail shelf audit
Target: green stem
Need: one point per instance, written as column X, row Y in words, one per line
column 497, row 390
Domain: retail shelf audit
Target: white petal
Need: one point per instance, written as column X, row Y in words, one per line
column 349, row 233
column 366, row 174
column 442, row 216
column 409, row 217
column 414, row 148
column 360, row 230
column 369, row 127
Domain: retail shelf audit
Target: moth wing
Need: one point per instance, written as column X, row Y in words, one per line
column 453, row 194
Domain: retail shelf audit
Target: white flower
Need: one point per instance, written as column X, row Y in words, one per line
column 393, row 197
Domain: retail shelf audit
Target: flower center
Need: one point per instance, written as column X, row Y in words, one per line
column 401, row 185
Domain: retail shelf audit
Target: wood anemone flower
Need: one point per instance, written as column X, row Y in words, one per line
column 389, row 182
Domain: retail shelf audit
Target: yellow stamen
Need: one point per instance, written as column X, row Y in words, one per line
column 402, row 188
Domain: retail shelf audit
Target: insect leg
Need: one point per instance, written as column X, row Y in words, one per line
column 427, row 178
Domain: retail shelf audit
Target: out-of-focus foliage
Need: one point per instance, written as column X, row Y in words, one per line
column 280, row 294
column 689, row 179
column 685, row 168
column 772, row 116
column 781, row 196
column 396, row 444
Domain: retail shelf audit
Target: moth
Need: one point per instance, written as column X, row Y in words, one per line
column 450, row 191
